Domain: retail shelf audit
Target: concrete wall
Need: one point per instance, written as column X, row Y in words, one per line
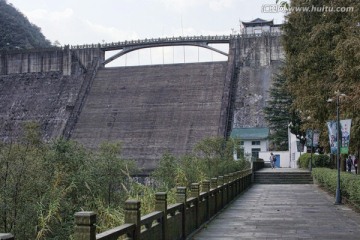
column 153, row 109
column 47, row 60
column 40, row 97
column 284, row 158
column 294, row 154
column 259, row 58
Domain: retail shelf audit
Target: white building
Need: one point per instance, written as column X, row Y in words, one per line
column 252, row 141
column 259, row 26
column 255, row 144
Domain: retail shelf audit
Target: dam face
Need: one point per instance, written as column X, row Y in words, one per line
column 153, row 109
column 150, row 109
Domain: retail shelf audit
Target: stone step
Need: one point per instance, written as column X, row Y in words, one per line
column 283, row 178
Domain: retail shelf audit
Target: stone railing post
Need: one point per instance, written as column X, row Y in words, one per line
column 226, row 179
column 222, row 191
column 227, row 190
column 213, row 183
column 205, row 186
column 85, row 228
column 237, row 178
column 241, row 181
column 195, row 192
column 231, row 187
column 161, row 205
column 221, row 180
column 181, row 197
column 133, row 215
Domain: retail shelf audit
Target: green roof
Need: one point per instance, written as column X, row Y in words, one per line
column 250, row 133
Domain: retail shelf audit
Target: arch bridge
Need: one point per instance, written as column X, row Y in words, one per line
column 197, row 41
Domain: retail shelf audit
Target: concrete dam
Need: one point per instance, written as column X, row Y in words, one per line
column 151, row 109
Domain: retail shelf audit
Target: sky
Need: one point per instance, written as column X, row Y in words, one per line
column 78, row 22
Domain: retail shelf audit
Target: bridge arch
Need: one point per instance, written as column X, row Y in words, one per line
column 127, row 50
column 196, row 41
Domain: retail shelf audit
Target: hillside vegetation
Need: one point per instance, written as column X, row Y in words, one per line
column 16, row 32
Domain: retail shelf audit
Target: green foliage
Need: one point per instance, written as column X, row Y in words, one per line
column 349, row 183
column 217, row 156
column 321, row 50
column 277, row 113
column 42, row 206
column 43, row 185
column 191, row 170
column 17, row 32
column 19, row 187
column 166, row 171
column 111, row 173
column 318, row 160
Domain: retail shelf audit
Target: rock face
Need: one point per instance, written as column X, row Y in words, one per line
column 153, row 109
column 46, row 98
column 258, row 59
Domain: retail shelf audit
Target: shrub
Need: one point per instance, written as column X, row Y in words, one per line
column 318, row 160
column 349, row 183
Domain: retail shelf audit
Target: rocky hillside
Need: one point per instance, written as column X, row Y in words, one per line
column 16, row 32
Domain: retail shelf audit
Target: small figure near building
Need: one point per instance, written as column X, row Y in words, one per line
column 349, row 163
column 356, row 165
column 272, row 160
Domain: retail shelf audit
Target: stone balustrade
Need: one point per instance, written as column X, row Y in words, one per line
column 176, row 221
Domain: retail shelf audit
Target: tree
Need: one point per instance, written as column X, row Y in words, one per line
column 21, row 185
column 277, row 113
column 111, row 173
column 320, row 49
column 217, row 155
column 165, row 173
column 17, row 32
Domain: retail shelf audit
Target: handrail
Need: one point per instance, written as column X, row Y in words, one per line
column 117, row 232
column 176, row 221
column 148, row 219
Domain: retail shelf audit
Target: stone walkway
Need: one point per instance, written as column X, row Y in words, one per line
column 296, row 211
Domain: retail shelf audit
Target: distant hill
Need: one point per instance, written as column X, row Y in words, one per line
column 16, row 32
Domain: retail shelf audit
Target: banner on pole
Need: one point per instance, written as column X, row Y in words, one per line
column 300, row 146
column 343, row 139
column 312, row 138
column 345, row 135
column 333, row 139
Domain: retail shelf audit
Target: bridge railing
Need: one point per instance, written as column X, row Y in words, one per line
column 176, row 221
column 209, row 39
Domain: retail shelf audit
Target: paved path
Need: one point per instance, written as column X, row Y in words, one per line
column 301, row 211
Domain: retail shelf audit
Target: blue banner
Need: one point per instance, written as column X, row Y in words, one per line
column 333, row 139
column 343, row 140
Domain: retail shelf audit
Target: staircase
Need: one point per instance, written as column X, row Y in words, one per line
column 280, row 176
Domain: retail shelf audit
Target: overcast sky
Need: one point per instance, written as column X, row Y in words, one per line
column 77, row 22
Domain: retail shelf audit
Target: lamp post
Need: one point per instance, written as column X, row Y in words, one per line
column 312, row 147
column 338, row 191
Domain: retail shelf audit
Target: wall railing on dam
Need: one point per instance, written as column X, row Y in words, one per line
column 62, row 58
column 179, row 39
